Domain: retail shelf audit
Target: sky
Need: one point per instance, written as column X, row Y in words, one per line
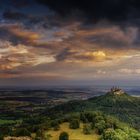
column 55, row 42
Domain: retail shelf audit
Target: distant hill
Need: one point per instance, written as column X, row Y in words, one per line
column 116, row 103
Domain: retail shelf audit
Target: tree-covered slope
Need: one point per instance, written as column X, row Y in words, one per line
column 124, row 106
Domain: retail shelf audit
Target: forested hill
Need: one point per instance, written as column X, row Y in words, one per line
column 122, row 106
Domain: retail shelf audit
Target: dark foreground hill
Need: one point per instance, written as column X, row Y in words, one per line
column 123, row 106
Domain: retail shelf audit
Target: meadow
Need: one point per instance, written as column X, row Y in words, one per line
column 74, row 134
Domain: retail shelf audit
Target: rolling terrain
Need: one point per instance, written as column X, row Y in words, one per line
column 116, row 112
column 124, row 106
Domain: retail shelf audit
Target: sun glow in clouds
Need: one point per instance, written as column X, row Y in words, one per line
column 99, row 55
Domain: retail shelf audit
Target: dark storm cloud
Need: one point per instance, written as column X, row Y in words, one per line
column 111, row 9
column 5, row 34
column 65, row 54
column 37, row 43
column 16, row 34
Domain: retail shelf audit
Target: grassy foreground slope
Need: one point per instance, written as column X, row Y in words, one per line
column 74, row 134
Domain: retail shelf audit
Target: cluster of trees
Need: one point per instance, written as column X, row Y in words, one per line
column 74, row 123
column 64, row 136
column 109, row 128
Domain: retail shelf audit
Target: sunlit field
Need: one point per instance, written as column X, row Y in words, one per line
column 74, row 134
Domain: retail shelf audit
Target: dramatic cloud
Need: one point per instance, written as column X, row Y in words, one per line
column 57, row 49
column 97, row 9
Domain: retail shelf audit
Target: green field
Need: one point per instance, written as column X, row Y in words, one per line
column 5, row 122
column 74, row 134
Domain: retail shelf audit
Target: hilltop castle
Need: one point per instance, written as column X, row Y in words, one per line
column 116, row 91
